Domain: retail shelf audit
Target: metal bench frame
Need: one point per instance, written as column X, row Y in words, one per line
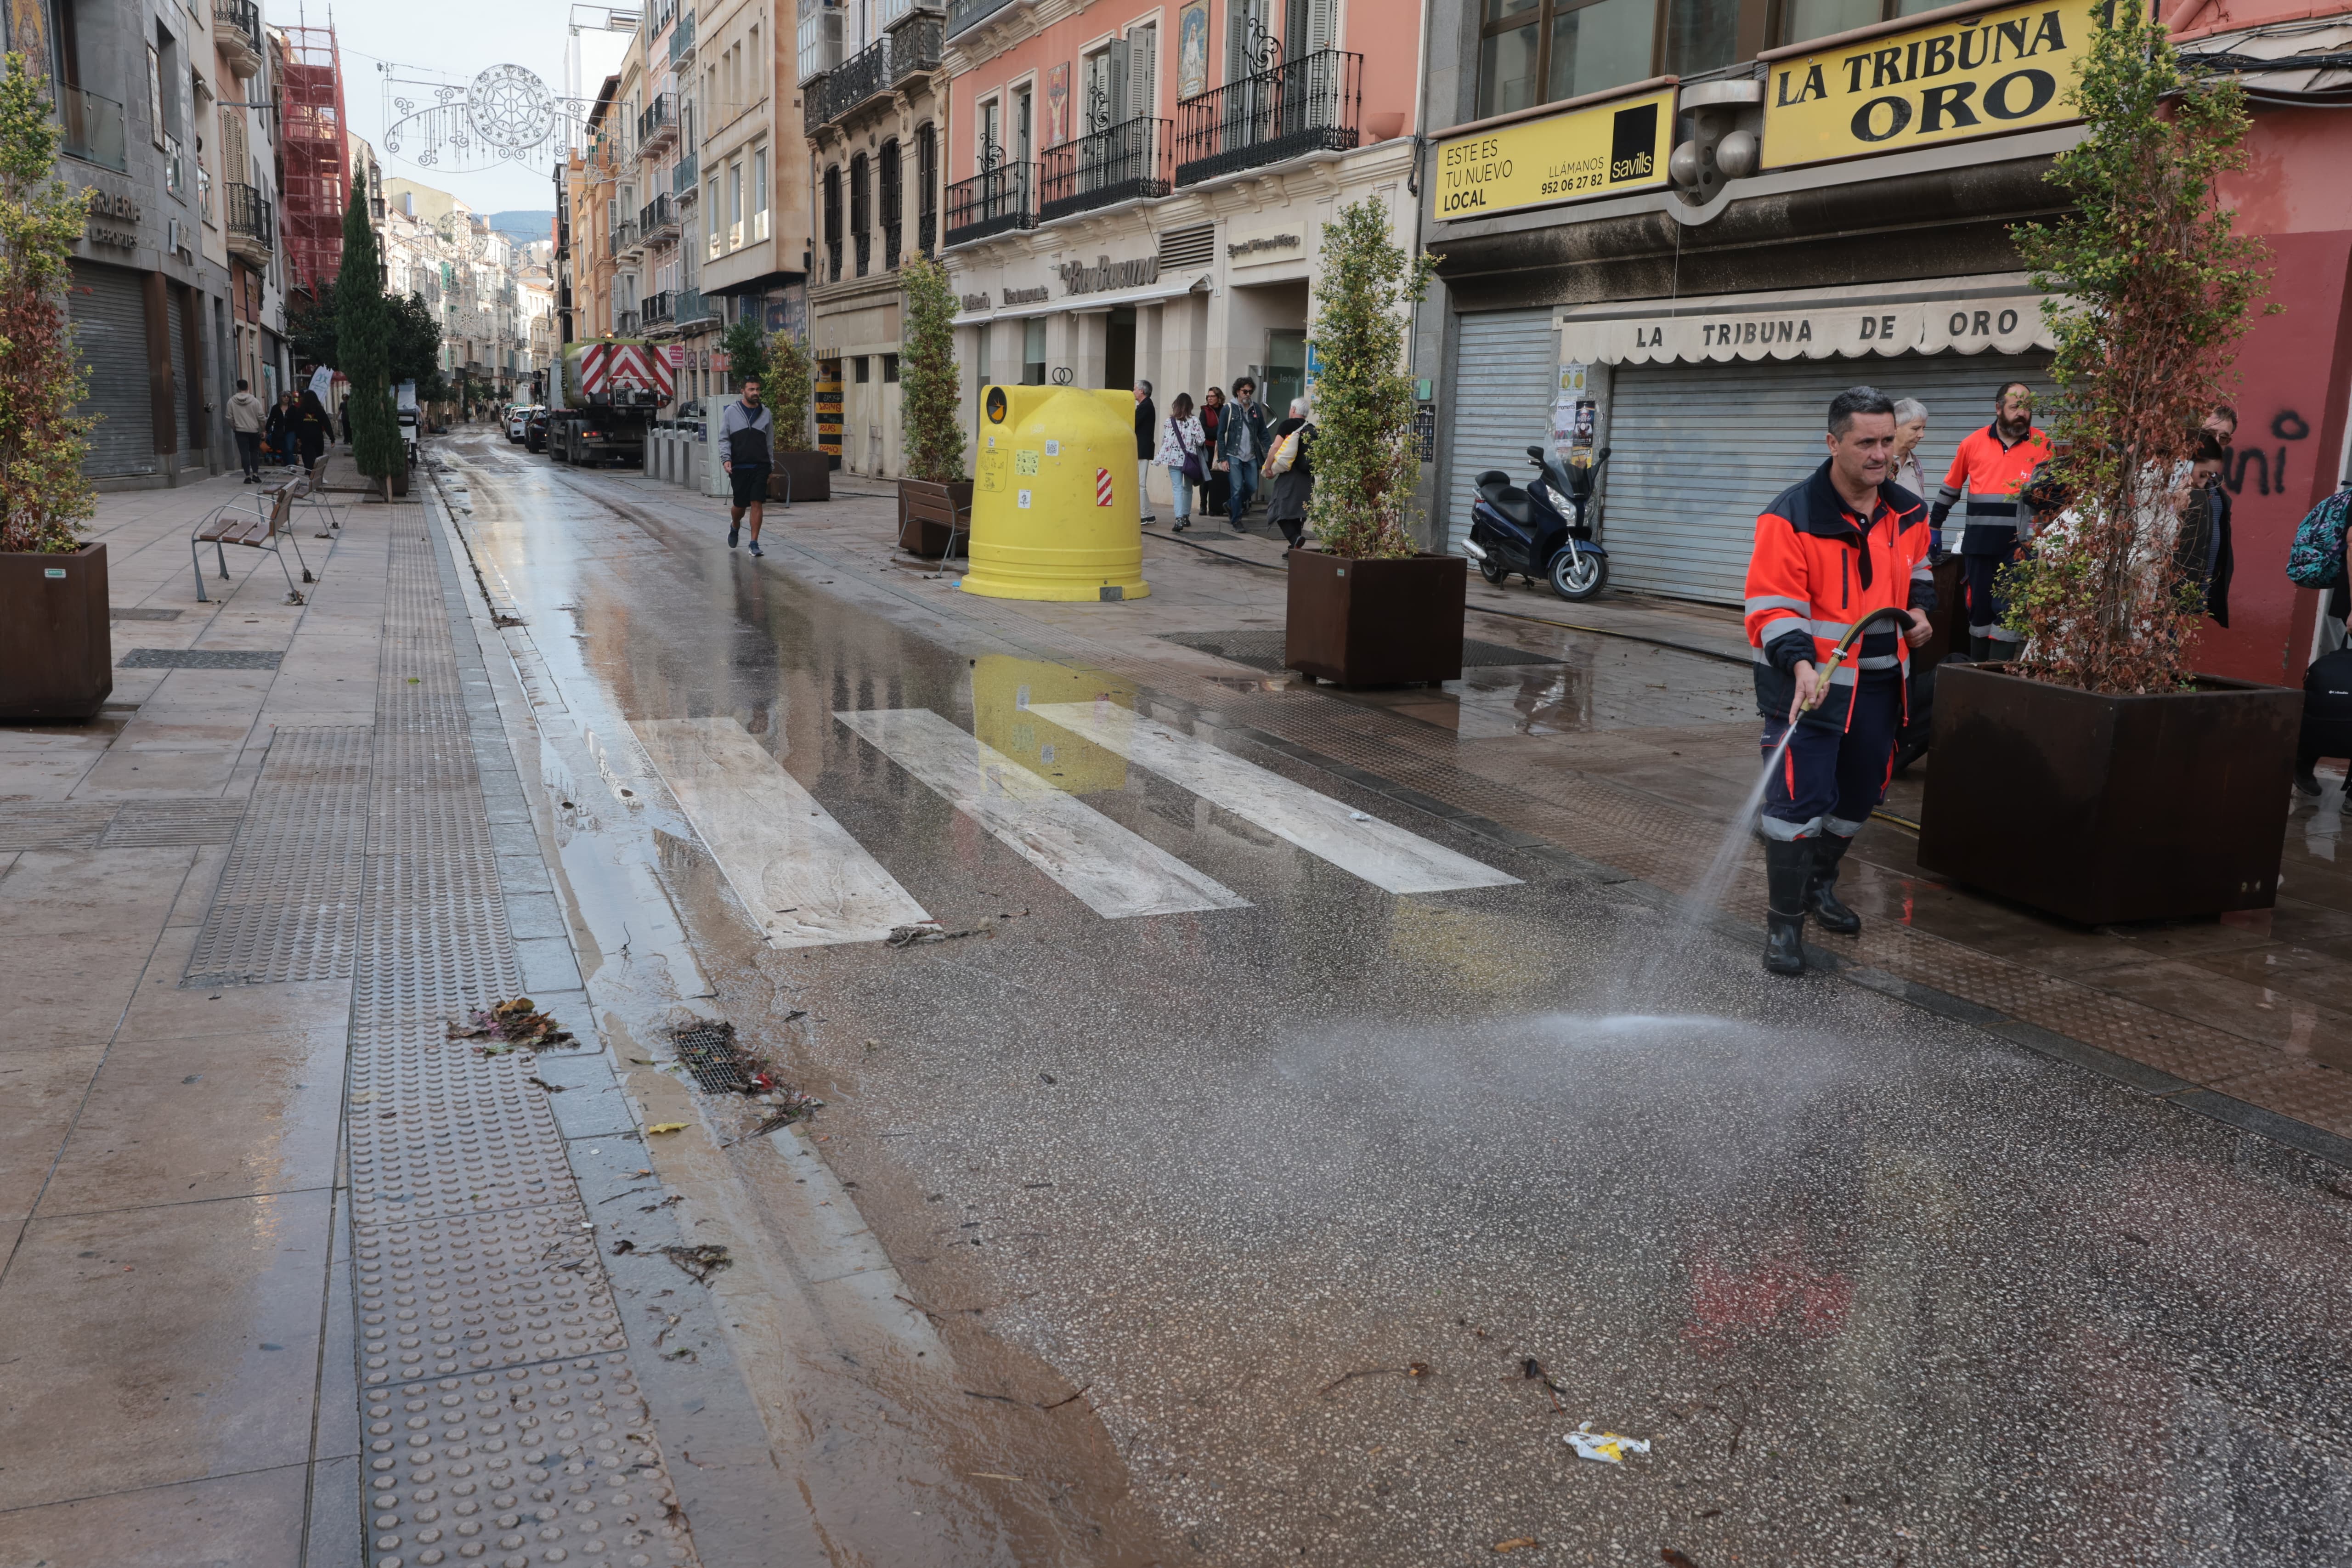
column 257, row 519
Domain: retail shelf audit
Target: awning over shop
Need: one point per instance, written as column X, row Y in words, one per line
column 1998, row 314
column 1090, row 304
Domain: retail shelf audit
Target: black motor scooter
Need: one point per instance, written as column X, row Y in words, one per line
column 1539, row 533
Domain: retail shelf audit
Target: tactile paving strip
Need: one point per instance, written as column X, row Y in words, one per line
column 287, row 905
column 549, row 1464
column 502, row 1424
column 437, row 1298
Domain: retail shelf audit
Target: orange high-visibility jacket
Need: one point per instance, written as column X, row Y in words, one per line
column 1992, row 471
column 1817, row 569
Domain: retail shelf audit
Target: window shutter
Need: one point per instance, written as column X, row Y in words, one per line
column 1143, row 71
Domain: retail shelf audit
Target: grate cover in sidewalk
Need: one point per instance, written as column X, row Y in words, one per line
column 199, row 659
column 118, row 824
column 139, row 613
column 709, row 1052
column 1266, row 650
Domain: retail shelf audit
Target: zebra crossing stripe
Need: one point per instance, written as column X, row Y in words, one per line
column 803, row 879
column 1380, row 852
column 1109, row 868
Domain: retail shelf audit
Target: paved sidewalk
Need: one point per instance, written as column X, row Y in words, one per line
column 1629, row 749
column 291, row 1277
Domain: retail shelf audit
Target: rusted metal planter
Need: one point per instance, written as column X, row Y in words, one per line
column 2100, row 809
column 1376, row 623
column 57, row 645
column 799, row 477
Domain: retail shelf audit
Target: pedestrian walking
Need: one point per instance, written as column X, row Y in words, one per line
column 1240, row 446
column 1989, row 466
column 346, row 420
column 248, row 418
column 745, row 430
column 1147, row 443
column 1845, row 542
column 1182, row 448
column 1212, row 484
column 1290, row 472
column 313, row 428
column 2221, row 564
column 1910, row 429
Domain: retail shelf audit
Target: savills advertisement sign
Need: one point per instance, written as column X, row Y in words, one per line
column 1985, row 75
column 1602, row 151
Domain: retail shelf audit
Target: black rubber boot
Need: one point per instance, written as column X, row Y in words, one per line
column 1979, row 650
column 1788, row 866
column 1821, row 888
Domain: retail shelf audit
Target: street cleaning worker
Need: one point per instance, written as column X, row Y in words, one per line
column 1989, row 465
column 1846, row 542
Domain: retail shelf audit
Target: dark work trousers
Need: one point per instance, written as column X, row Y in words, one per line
column 1830, row 781
column 1986, row 606
column 249, row 452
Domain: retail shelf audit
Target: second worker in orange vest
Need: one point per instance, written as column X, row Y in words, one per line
column 1990, row 465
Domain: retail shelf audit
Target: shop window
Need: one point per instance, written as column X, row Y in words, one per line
column 889, row 368
column 1804, row 20
column 1032, row 352
column 861, row 212
column 1540, row 51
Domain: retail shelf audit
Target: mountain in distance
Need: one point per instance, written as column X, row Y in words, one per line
column 523, row 227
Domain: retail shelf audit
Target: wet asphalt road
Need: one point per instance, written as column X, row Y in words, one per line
column 1297, row 1192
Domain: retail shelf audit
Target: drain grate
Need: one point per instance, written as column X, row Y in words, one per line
column 199, row 659
column 139, row 613
column 118, row 824
column 1266, row 649
column 709, row 1054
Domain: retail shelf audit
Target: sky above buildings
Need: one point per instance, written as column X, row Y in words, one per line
column 454, row 41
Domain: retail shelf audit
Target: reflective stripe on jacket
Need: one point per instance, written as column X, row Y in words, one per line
column 1993, row 471
column 1817, row 570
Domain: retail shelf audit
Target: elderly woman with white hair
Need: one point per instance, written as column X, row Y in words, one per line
column 1910, row 428
column 1287, row 492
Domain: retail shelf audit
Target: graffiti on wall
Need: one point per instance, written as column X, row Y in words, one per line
column 2267, row 468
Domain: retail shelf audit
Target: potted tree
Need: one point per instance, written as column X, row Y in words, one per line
column 1368, row 608
column 57, row 653
column 934, row 497
column 2098, row 778
column 363, row 339
column 792, row 379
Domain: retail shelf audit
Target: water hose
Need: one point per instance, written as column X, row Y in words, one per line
column 1846, row 644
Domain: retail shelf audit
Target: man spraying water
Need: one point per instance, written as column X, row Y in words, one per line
column 1840, row 563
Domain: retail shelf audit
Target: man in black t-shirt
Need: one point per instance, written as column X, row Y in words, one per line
column 744, row 431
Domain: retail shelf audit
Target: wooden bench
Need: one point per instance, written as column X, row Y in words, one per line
column 258, row 520
column 934, row 520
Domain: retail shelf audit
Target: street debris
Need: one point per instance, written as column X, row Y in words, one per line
column 1534, row 1369
column 924, row 931
column 790, row 1105
column 509, row 1025
column 666, row 1127
column 701, row 1262
column 1606, row 1446
column 1518, row 1543
column 1674, row 1559
column 624, row 1246
column 1410, row 1369
column 540, row 1083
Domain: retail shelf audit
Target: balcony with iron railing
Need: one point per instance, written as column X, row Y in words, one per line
column 682, row 177
column 660, row 310
column 681, row 40
column 995, row 200
column 658, row 220
column 962, row 13
column 1120, row 163
column 1310, row 104
column 658, row 123
column 236, row 34
column 252, row 223
column 624, row 239
column 94, row 129
column 691, row 308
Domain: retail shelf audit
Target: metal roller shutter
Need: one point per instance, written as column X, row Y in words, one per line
column 181, row 385
column 109, row 323
column 1505, row 371
column 1697, row 450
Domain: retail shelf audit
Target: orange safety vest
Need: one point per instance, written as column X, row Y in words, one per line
column 1818, row 569
column 1992, row 471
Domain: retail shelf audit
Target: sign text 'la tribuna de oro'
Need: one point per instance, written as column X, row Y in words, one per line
column 2001, row 70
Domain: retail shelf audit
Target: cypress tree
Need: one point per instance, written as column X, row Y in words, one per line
column 364, row 336
column 927, row 373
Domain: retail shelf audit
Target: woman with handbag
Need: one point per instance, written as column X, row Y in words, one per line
column 1181, row 445
column 1212, row 483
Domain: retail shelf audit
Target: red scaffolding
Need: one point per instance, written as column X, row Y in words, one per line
column 318, row 157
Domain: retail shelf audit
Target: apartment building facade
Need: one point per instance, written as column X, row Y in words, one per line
column 669, row 118
column 753, row 224
column 875, row 109
column 1136, row 188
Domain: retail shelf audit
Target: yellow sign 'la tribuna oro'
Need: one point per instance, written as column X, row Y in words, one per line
column 1998, row 72
column 1609, row 148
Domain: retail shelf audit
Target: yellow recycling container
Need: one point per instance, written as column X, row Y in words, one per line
column 1053, row 510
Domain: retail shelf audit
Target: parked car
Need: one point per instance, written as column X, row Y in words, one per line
column 534, row 431
column 516, row 422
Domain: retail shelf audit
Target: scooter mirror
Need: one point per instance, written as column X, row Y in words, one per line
column 1604, row 455
column 1537, row 453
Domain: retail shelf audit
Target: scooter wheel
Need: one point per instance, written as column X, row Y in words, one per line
column 1578, row 577
column 1491, row 571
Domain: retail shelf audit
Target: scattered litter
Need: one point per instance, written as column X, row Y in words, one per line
column 701, row 1262
column 791, row 1105
column 1360, row 816
column 538, row 1082
column 923, row 931
column 994, row 1476
column 503, row 619
column 1532, row 1368
column 1410, row 1369
column 512, row 1023
column 365, row 1097
column 624, row 1245
column 666, row 1127
column 1606, row 1446
column 1517, row 1543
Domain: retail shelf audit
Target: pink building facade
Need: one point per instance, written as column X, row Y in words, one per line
column 1135, row 191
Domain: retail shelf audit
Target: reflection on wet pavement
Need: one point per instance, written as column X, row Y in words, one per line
column 1186, row 1195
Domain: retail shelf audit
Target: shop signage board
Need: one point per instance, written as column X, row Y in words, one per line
column 1986, row 75
column 2002, row 324
column 1602, row 151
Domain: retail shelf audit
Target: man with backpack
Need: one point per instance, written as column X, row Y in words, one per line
column 1290, row 473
